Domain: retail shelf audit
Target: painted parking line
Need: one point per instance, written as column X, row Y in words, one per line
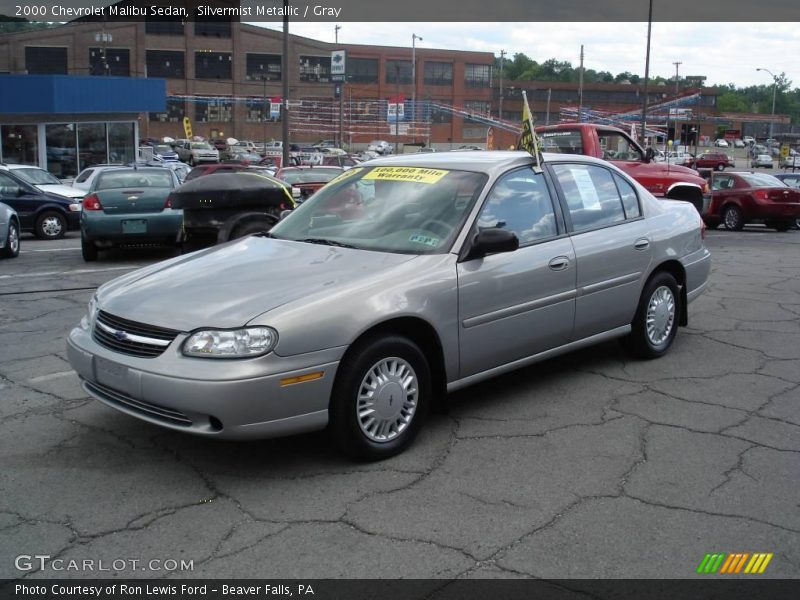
column 58, row 375
column 48, row 250
column 68, row 273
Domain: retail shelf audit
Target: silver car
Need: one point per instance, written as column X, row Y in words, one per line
column 9, row 232
column 396, row 283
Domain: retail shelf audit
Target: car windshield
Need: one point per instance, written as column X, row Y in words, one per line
column 762, row 180
column 310, row 175
column 37, row 176
column 160, row 149
column 200, row 146
column 405, row 210
column 134, row 179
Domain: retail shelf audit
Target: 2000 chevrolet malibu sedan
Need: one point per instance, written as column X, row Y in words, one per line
column 399, row 281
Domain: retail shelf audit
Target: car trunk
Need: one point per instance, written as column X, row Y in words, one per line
column 133, row 200
column 783, row 195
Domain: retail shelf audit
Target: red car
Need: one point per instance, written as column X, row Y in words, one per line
column 739, row 198
column 307, row 179
column 713, row 160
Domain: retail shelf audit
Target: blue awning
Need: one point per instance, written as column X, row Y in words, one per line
column 65, row 94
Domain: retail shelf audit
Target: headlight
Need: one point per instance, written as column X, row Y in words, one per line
column 237, row 343
column 75, row 207
column 88, row 318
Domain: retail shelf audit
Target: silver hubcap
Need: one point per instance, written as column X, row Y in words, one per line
column 51, row 226
column 731, row 218
column 13, row 239
column 387, row 399
column 660, row 315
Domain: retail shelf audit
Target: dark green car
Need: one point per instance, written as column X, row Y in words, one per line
column 129, row 206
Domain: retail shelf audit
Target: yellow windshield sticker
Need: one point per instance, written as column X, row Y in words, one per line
column 346, row 174
column 415, row 174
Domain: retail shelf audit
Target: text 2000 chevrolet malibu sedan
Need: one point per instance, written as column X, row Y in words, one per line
column 397, row 282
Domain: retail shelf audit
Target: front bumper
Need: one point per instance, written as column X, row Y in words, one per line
column 226, row 399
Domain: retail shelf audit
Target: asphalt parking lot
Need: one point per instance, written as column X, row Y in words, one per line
column 588, row 465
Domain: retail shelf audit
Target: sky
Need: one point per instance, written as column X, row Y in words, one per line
column 723, row 52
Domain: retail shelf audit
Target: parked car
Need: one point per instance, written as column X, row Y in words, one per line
column 339, row 160
column 678, row 157
column 49, row 216
column 749, row 140
column 762, row 160
column 307, row 180
column 164, row 152
column 757, row 149
column 129, row 205
column 220, row 144
column 741, row 198
column 201, row 170
column 42, row 180
column 195, row 153
column 713, row 160
column 86, row 177
column 243, row 156
column 9, row 232
column 357, row 313
column 720, row 143
column 737, row 143
column 789, row 162
column 793, row 181
column 380, row 146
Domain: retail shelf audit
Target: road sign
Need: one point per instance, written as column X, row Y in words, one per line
column 338, row 65
column 785, row 151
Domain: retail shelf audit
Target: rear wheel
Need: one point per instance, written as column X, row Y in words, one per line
column 88, row 249
column 11, row 248
column 251, row 227
column 732, row 218
column 380, row 398
column 51, row 226
column 656, row 322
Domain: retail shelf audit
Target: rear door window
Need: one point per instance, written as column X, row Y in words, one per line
column 591, row 195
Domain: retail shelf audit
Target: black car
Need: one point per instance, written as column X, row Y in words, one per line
column 47, row 215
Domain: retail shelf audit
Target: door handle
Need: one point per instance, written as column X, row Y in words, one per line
column 642, row 244
column 559, row 263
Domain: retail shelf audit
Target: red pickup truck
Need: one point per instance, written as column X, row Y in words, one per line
column 614, row 145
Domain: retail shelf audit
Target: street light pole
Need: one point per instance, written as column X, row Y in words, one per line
column 285, row 76
column 414, row 38
column 774, row 90
column 336, row 33
column 500, row 105
column 647, row 71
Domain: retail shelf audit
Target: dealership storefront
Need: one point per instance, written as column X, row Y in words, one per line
column 66, row 123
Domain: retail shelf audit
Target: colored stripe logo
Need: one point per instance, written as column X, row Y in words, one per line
column 734, row 563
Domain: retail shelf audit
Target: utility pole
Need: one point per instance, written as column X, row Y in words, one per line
column 397, row 111
column 580, row 89
column 647, row 71
column 677, row 64
column 500, row 108
column 547, row 114
column 336, row 33
column 414, row 38
column 285, row 76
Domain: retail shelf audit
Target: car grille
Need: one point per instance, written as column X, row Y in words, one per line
column 131, row 338
column 154, row 411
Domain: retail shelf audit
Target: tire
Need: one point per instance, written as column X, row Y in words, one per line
column 797, row 223
column 783, row 225
column 401, row 363
column 720, row 167
column 732, row 218
column 50, row 226
column 660, row 304
column 711, row 223
column 245, row 229
column 11, row 248
column 88, row 249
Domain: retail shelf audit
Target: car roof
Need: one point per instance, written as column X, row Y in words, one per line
column 12, row 166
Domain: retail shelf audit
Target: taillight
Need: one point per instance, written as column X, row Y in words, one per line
column 92, row 202
column 168, row 202
column 761, row 195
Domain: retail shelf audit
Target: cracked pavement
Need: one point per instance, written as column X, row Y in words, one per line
column 587, row 465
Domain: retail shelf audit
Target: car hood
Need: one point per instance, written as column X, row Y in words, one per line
column 232, row 284
column 67, row 191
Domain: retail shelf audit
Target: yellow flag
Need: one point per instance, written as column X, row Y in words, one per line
column 527, row 140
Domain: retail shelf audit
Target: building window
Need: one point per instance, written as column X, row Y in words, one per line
column 61, row 150
column 220, row 29
column 91, row 144
column 477, row 76
column 166, row 27
column 176, row 109
column 438, row 73
column 121, row 144
column 362, row 70
column 440, row 116
column 213, row 110
column 117, row 62
column 479, row 107
column 315, row 68
column 398, row 71
column 166, row 63
column 261, row 110
column 263, row 67
column 20, row 144
column 45, row 61
column 212, row 65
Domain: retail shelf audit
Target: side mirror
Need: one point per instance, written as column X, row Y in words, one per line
column 492, row 241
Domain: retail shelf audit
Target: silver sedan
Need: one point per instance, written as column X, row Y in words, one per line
column 399, row 281
column 9, row 232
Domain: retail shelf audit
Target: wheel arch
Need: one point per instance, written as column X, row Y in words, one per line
column 675, row 268
column 688, row 192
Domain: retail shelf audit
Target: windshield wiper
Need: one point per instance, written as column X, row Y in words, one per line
column 326, row 242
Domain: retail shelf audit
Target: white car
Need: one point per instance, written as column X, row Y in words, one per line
column 678, row 157
column 43, row 180
column 196, row 152
column 789, row 162
column 84, row 180
column 738, row 143
column 762, row 160
column 720, row 143
column 749, row 140
column 380, row 146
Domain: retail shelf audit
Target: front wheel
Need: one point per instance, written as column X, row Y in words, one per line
column 51, row 226
column 656, row 322
column 380, row 398
column 720, row 167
